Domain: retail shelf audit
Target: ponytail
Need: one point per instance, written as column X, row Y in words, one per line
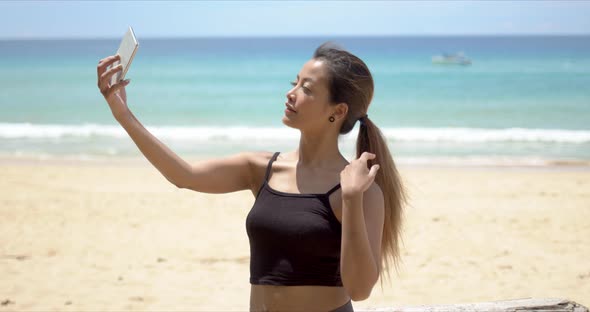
column 351, row 82
column 370, row 139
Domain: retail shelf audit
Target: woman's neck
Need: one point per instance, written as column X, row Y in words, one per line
column 318, row 151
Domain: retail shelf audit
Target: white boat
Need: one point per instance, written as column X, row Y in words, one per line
column 451, row 59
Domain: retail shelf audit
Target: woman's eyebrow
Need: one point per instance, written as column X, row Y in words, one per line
column 306, row 79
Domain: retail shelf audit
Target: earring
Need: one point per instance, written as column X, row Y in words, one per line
column 332, row 118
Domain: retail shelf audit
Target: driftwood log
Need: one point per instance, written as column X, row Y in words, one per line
column 514, row 305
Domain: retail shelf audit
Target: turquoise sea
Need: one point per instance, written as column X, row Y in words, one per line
column 524, row 99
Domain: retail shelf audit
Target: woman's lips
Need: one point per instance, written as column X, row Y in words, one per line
column 289, row 109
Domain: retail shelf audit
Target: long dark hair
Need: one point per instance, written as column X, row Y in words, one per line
column 351, row 82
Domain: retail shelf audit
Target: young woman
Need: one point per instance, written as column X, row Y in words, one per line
column 322, row 230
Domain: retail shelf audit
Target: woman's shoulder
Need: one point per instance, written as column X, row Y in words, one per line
column 261, row 155
column 258, row 159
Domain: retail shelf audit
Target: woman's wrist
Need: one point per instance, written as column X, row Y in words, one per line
column 352, row 196
column 122, row 116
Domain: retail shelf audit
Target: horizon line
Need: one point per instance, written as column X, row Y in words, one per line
column 301, row 36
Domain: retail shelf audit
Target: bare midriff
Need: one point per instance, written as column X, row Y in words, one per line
column 296, row 298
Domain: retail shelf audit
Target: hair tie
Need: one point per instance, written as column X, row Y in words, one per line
column 363, row 118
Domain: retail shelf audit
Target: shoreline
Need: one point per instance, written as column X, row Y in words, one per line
column 401, row 162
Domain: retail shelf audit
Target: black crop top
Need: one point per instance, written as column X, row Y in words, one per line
column 294, row 238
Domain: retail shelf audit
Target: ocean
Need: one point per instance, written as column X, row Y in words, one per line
column 523, row 99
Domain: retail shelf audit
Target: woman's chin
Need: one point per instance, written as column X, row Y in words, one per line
column 287, row 122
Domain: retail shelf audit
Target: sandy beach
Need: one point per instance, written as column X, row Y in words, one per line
column 113, row 236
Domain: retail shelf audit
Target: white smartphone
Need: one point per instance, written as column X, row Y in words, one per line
column 127, row 49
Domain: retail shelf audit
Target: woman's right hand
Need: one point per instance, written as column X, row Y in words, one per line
column 114, row 94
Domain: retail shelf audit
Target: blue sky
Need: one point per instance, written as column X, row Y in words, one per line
column 105, row 19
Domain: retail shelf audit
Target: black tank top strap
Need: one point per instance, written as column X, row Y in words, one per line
column 333, row 189
column 268, row 168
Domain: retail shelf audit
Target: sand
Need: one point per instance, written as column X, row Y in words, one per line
column 112, row 236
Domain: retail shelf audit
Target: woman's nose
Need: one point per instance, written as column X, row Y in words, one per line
column 290, row 96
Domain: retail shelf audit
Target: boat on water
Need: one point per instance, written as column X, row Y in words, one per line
column 451, row 59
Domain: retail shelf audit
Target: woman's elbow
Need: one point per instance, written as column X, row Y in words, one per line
column 360, row 295
column 179, row 183
column 179, row 186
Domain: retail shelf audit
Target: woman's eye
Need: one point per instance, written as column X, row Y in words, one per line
column 293, row 83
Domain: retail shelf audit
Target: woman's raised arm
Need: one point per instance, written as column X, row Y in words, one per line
column 221, row 175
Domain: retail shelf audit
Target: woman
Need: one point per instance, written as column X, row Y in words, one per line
column 321, row 228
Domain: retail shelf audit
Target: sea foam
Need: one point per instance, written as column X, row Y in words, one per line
column 237, row 133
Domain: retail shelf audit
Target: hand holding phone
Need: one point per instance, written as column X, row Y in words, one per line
column 126, row 52
column 111, row 72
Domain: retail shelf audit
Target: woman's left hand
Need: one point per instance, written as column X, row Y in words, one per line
column 356, row 178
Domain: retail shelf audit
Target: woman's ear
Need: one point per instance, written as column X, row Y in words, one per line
column 341, row 110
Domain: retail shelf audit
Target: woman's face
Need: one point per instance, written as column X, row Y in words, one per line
column 307, row 105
